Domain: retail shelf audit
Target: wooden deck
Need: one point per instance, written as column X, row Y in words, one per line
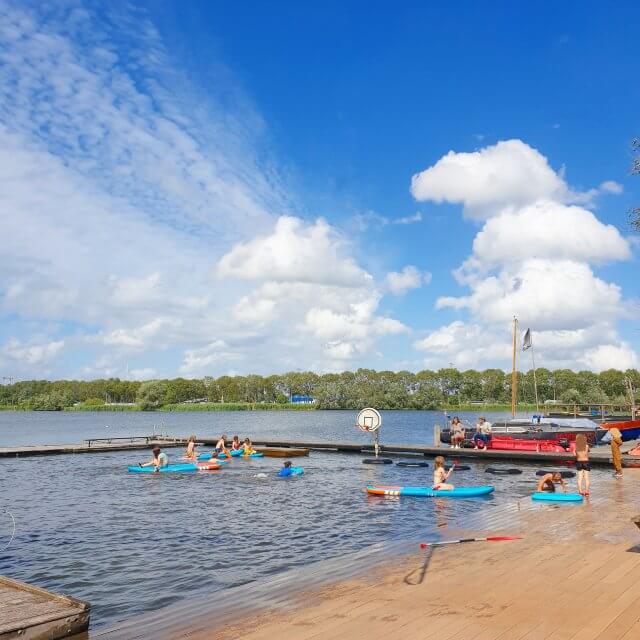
column 31, row 613
column 99, row 445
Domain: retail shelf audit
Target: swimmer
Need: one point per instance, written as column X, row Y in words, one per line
column 547, row 482
column 285, row 472
column 159, row 460
column 235, row 443
column 440, row 475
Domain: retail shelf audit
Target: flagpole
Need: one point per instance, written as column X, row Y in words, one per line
column 514, row 375
column 535, row 380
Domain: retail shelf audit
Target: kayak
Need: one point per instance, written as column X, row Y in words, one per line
column 428, row 492
column 185, row 467
column 557, row 497
column 295, row 471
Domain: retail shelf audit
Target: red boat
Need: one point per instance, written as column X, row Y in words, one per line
column 630, row 429
column 540, row 446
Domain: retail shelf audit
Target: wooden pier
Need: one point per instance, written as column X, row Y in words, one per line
column 93, row 445
column 274, row 447
column 36, row 614
column 471, row 455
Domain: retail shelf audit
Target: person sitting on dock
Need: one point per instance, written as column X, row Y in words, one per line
column 482, row 435
column 235, row 443
column 221, row 445
column 441, row 475
column 547, row 482
column 159, row 459
column 191, row 453
column 457, row 433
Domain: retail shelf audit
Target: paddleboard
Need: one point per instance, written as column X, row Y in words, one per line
column 428, row 492
column 170, row 468
column 557, row 497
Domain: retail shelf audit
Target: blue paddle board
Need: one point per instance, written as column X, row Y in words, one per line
column 186, row 467
column 557, row 497
column 428, row 492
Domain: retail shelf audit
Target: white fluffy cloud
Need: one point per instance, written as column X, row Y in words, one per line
column 532, row 259
column 295, row 252
column 399, row 282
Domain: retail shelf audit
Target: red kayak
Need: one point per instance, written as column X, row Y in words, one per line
column 544, row 446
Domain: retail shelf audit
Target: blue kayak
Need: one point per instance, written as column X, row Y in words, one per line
column 204, row 457
column 557, row 497
column 186, row 467
column 291, row 471
column 428, row 492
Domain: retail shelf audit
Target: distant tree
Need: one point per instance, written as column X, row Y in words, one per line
column 152, row 395
column 571, row 396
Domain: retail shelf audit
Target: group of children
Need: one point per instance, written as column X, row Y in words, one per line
column 221, row 446
column 546, row 483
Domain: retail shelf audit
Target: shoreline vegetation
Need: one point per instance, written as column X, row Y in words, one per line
column 249, row 406
column 445, row 389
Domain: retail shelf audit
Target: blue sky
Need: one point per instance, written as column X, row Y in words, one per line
column 206, row 187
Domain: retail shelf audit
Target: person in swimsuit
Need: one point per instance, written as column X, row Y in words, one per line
column 441, row 475
column 247, row 447
column 221, row 445
column 285, row 472
column 159, row 460
column 235, row 443
column 582, row 464
column 191, row 453
column 547, row 483
column 457, row 432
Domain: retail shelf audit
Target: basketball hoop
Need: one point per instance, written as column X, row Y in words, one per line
column 369, row 420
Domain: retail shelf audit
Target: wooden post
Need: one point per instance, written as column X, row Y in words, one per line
column 436, row 436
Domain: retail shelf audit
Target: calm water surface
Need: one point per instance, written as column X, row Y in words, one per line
column 131, row 543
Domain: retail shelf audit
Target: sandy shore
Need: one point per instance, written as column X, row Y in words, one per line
column 575, row 574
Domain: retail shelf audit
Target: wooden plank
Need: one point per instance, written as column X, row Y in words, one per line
column 33, row 613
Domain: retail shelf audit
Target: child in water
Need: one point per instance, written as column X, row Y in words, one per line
column 440, row 475
column 191, row 453
column 547, row 482
column 235, row 443
column 285, row 472
column 582, row 464
column 159, row 459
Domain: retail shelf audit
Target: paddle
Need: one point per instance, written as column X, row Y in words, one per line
column 424, row 545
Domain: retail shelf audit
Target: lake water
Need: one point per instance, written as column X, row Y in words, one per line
column 130, row 543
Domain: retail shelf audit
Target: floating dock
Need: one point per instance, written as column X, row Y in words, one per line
column 94, row 445
column 37, row 614
column 291, row 448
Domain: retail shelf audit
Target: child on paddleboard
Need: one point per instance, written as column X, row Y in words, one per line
column 191, row 453
column 159, row 459
column 582, row 464
column 235, row 443
column 285, row 472
column 221, row 445
column 547, row 482
column 247, row 447
column 440, row 475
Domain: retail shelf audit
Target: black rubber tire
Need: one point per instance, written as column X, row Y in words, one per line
column 459, row 467
column 377, row 461
column 412, row 464
column 564, row 474
column 503, row 472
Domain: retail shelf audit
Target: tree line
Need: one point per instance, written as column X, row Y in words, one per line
column 348, row 390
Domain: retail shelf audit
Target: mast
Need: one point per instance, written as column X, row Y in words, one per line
column 514, row 375
column 535, row 379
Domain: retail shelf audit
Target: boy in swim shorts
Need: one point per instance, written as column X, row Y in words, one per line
column 547, row 482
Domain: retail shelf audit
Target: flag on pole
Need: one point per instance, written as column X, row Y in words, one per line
column 526, row 341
